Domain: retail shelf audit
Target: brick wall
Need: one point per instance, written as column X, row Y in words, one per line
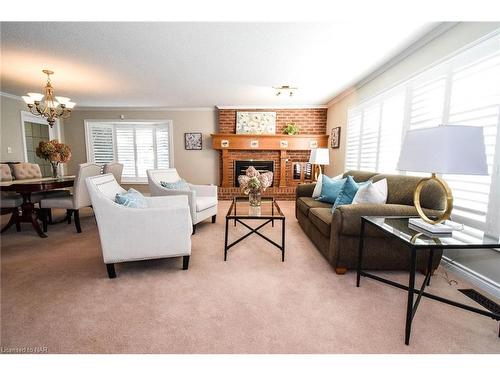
column 310, row 121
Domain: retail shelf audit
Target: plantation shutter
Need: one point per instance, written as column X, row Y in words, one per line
column 125, row 151
column 475, row 101
column 145, row 150
column 101, row 143
column 162, row 147
column 353, row 140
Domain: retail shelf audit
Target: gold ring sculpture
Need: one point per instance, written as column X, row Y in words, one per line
column 449, row 200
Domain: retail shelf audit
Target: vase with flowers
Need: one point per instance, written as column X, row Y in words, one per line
column 55, row 152
column 253, row 183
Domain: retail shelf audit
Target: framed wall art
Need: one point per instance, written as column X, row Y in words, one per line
column 193, row 141
column 335, row 137
column 255, row 122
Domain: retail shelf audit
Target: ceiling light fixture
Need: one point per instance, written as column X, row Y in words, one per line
column 285, row 89
column 47, row 105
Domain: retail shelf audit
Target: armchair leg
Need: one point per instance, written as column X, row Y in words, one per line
column 49, row 213
column 111, row 270
column 214, row 218
column 185, row 262
column 194, row 228
column 340, row 270
column 44, row 216
column 76, row 214
column 68, row 216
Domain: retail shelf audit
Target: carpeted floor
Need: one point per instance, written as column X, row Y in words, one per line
column 55, row 293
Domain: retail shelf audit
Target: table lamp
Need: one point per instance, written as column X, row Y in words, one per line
column 444, row 149
column 319, row 157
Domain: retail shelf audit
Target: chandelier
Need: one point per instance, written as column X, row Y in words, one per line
column 47, row 105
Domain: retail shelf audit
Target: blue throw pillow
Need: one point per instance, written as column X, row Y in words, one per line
column 347, row 192
column 178, row 185
column 132, row 198
column 330, row 189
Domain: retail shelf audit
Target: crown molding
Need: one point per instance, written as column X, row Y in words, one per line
column 144, row 109
column 10, row 96
column 435, row 32
column 267, row 106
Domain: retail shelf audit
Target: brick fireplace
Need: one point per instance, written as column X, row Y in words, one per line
column 312, row 124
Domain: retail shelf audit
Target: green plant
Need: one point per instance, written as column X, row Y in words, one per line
column 291, row 129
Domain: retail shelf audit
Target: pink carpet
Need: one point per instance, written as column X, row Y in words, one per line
column 55, row 293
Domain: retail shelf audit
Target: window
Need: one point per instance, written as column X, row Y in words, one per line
column 463, row 90
column 139, row 146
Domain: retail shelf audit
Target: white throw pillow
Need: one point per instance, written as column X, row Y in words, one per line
column 319, row 185
column 372, row 193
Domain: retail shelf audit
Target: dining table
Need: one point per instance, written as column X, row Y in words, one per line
column 29, row 213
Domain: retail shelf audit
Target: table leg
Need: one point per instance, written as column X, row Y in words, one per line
column 360, row 251
column 429, row 266
column 282, row 239
column 29, row 214
column 225, row 238
column 14, row 219
column 411, row 287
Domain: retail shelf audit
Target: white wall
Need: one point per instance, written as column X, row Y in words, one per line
column 444, row 45
column 196, row 166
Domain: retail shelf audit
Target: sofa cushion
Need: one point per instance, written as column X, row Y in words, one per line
column 330, row 189
column 306, row 203
column 360, row 176
column 347, row 218
column 348, row 192
column 132, row 198
column 400, row 190
column 202, row 203
column 321, row 219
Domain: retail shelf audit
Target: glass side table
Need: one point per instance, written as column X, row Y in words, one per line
column 414, row 240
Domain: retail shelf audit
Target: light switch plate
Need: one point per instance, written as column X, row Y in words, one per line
column 9, row 150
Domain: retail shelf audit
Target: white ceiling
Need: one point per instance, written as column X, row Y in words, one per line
column 197, row 64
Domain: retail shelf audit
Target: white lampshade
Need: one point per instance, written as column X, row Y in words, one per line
column 63, row 99
column 450, row 149
column 319, row 156
column 36, row 96
column 28, row 100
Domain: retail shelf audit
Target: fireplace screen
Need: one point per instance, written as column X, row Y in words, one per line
column 240, row 168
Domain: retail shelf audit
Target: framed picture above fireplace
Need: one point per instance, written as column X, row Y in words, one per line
column 255, row 122
column 193, row 141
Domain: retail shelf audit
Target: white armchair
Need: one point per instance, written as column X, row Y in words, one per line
column 163, row 230
column 202, row 198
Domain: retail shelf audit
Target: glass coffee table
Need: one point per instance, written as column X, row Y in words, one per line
column 414, row 240
column 268, row 212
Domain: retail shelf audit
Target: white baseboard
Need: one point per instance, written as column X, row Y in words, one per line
column 476, row 279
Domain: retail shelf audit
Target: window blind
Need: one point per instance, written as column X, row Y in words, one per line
column 138, row 146
column 101, row 145
column 464, row 90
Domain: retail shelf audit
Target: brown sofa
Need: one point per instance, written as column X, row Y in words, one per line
column 336, row 235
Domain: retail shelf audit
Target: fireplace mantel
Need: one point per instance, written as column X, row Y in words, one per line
column 279, row 142
column 265, row 142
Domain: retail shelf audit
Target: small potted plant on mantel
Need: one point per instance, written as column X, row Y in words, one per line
column 291, row 129
column 55, row 152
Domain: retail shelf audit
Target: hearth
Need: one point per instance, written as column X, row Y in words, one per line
column 240, row 167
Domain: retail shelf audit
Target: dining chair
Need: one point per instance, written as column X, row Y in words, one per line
column 114, row 168
column 9, row 201
column 73, row 202
column 202, row 198
column 161, row 230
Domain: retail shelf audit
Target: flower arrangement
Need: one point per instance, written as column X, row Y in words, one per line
column 291, row 129
column 55, row 152
column 253, row 183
